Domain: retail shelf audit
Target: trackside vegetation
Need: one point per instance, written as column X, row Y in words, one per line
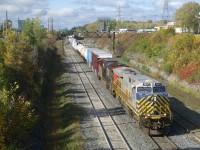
column 36, row 108
column 21, row 82
column 175, row 54
column 62, row 115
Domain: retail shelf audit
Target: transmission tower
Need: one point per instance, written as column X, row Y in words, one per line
column 50, row 24
column 119, row 14
column 165, row 15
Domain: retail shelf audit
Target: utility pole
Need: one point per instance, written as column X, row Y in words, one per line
column 113, row 40
column 3, row 26
column 114, row 43
column 48, row 23
column 6, row 23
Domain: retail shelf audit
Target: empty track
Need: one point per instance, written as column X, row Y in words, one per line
column 113, row 135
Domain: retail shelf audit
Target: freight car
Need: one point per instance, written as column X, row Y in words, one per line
column 102, row 66
column 107, row 71
column 145, row 98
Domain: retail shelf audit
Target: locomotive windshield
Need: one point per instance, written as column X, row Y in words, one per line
column 159, row 89
column 144, row 89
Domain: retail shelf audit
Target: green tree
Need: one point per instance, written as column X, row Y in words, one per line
column 185, row 16
column 34, row 32
column 93, row 27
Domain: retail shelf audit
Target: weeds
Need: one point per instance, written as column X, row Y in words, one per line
column 63, row 116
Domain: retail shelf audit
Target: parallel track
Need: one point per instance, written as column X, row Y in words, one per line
column 113, row 135
column 163, row 143
column 189, row 126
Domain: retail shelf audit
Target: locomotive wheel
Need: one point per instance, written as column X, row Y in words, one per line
column 129, row 112
column 120, row 101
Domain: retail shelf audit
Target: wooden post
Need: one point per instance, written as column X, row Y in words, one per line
column 114, row 43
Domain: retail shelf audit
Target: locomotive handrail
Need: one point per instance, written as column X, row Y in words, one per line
column 118, row 91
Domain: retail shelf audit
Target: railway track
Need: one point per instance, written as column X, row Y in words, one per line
column 187, row 125
column 164, row 143
column 113, row 135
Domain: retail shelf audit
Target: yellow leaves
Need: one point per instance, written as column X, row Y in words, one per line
column 17, row 111
column 196, row 43
column 18, row 53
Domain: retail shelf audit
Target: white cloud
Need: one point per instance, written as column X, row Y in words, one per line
column 72, row 13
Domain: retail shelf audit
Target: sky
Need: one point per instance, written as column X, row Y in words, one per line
column 72, row 13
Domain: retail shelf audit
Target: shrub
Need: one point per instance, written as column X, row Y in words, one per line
column 188, row 70
column 145, row 69
column 195, row 76
column 168, row 68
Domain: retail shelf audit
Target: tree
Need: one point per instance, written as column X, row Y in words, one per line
column 93, row 27
column 185, row 16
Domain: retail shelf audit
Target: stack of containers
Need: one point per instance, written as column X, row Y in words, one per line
column 89, row 55
column 96, row 55
column 102, row 66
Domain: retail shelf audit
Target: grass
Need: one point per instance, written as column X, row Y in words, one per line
column 62, row 115
column 187, row 96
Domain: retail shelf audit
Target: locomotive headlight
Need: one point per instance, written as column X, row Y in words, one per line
column 155, row 99
column 164, row 114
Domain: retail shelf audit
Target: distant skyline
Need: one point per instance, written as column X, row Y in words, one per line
column 71, row 13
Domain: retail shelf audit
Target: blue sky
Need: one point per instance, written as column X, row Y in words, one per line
column 70, row 13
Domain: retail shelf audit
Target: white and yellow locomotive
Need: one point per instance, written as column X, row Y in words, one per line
column 146, row 98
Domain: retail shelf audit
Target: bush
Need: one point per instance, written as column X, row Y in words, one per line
column 168, row 68
column 145, row 69
column 125, row 58
column 188, row 70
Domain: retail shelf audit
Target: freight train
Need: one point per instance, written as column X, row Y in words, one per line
column 146, row 99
